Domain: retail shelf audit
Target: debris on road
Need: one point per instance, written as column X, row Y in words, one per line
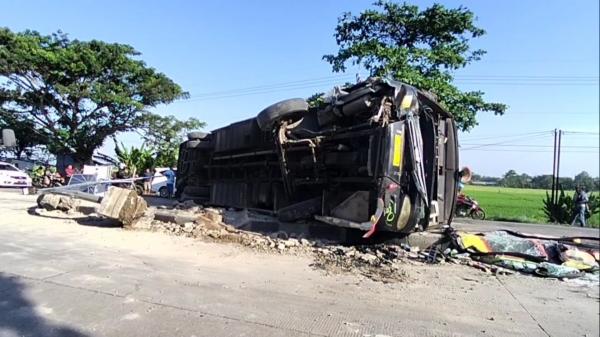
column 117, row 203
column 497, row 253
column 122, row 204
column 377, row 262
column 52, row 202
column 562, row 258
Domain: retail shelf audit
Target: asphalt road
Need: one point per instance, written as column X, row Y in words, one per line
column 63, row 278
column 547, row 230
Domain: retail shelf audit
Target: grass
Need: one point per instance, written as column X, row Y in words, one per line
column 514, row 204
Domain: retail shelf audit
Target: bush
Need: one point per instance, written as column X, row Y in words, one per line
column 563, row 211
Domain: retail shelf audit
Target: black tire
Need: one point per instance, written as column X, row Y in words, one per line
column 194, row 135
column 478, row 214
column 461, row 211
column 198, row 144
column 266, row 118
column 162, row 192
column 139, row 189
column 192, row 144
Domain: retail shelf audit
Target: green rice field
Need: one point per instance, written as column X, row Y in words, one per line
column 514, row 204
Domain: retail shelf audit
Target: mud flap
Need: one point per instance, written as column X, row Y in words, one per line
column 370, row 226
column 375, row 218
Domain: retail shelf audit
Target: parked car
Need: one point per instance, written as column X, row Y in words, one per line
column 159, row 182
column 11, row 176
column 379, row 155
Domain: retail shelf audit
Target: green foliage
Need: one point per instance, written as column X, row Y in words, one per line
column 515, row 180
column 422, row 48
column 164, row 134
column 28, row 138
column 512, row 179
column 563, row 210
column 77, row 93
column 135, row 159
column 584, row 179
column 37, row 174
column 515, row 204
column 316, row 100
column 542, row 181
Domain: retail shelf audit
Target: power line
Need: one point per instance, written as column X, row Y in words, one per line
column 304, row 82
column 549, row 113
column 543, row 146
column 545, row 134
column 533, row 133
column 281, row 88
column 532, row 76
column 581, row 133
column 512, row 135
column 335, row 79
column 531, row 83
column 526, row 151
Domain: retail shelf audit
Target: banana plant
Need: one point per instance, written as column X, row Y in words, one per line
column 135, row 159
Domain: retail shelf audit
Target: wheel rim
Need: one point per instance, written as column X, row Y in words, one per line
column 162, row 192
column 478, row 214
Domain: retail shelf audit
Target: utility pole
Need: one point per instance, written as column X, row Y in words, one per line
column 553, row 193
column 560, row 132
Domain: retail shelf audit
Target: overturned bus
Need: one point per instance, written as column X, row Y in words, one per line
column 379, row 155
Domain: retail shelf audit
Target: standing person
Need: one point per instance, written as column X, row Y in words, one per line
column 581, row 204
column 170, row 174
column 148, row 181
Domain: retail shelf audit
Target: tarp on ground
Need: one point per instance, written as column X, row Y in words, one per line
column 544, row 256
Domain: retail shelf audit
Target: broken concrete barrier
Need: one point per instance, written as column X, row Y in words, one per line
column 52, row 202
column 123, row 205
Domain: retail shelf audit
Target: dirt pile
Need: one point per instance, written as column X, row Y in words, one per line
column 208, row 226
column 379, row 262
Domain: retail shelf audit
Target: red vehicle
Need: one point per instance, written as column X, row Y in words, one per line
column 466, row 206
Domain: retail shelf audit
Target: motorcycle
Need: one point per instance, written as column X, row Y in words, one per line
column 466, row 206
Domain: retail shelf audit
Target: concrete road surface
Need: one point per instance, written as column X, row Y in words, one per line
column 63, row 278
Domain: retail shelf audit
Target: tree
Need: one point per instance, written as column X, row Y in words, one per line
column 585, row 180
column 566, row 183
column 513, row 179
column 28, row 138
column 77, row 93
column 135, row 159
column 542, row 182
column 477, row 178
column 316, row 100
column 164, row 134
column 421, row 48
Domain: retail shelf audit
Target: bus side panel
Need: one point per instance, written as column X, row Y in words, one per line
column 451, row 169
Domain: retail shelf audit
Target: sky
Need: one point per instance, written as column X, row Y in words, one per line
column 237, row 57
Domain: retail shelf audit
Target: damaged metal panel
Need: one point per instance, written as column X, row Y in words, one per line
column 370, row 152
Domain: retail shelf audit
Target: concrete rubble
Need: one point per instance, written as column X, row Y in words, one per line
column 380, row 262
column 377, row 262
column 52, row 202
column 122, row 204
column 119, row 204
